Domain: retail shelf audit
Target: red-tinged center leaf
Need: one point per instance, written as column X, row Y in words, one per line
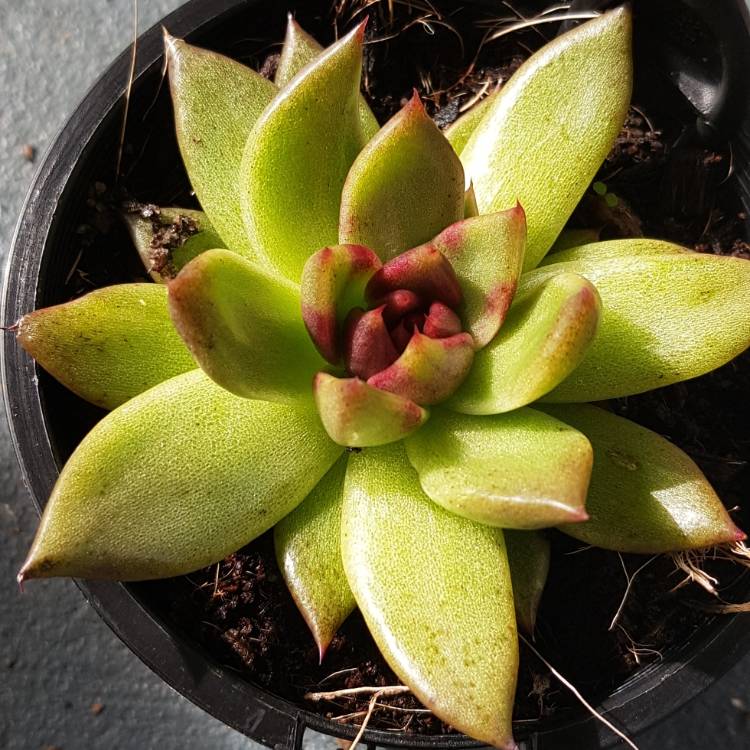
column 429, row 370
column 368, row 347
column 486, row 253
column 441, row 322
column 399, row 304
column 333, row 282
column 424, row 271
column 357, row 415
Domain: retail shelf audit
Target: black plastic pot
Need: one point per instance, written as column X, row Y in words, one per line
column 46, row 421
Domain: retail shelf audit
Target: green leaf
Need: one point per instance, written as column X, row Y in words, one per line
column 594, row 251
column 543, row 340
column 299, row 50
column 665, row 318
column 180, row 234
column 528, row 557
column 551, row 125
column 176, row 479
column 333, row 282
column 471, row 208
column 522, row 470
column 216, row 103
column 435, row 592
column 108, row 345
column 243, row 327
column 570, row 238
column 486, row 253
column 308, row 550
column 428, row 370
column 459, row 132
column 357, row 415
column 646, row 496
column 297, row 158
column 405, row 187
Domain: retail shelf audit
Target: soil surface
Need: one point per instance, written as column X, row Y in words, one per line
column 240, row 609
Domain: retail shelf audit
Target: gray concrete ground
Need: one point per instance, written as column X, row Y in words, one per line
column 65, row 681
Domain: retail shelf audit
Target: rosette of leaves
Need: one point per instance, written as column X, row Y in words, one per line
column 388, row 291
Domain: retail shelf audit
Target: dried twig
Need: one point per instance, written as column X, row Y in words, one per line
column 366, row 720
column 537, row 20
column 350, row 692
column 630, row 580
column 128, row 89
column 578, row 695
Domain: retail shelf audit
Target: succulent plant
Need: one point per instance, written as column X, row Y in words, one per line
column 389, row 291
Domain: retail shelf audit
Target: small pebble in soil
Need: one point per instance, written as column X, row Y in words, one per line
column 28, row 152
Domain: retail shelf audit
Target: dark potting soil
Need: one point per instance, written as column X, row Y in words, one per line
column 240, row 610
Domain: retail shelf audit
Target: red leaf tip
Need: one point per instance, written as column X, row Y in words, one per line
column 359, row 31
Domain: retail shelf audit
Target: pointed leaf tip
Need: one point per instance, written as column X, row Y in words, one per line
column 359, row 416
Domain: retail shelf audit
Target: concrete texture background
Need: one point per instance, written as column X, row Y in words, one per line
column 65, row 681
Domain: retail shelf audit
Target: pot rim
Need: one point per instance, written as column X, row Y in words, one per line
column 647, row 697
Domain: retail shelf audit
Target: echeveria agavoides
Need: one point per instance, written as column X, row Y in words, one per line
column 347, row 288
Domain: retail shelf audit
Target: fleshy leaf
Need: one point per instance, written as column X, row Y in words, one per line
column 570, row 238
column 333, row 282
column 594, row 251
column 357, row 415
column 521, row 470
column 297, row 158
column 435, row 592
column 176, row 479
column 528, row 557
column 646, row 496
column 459, row 132
column 405, row 186
column 543, row 340
column 299, row 50
column 486, row 253
column 243, row 327
column 551, row 125
column 665, row 318
column 170, row 238
column 109, row 345
column 368, row 347
column 216, row 103
column 429, row 370
column 441, row 322
column 423, row 270
column 308, row 550
column 471, row 207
